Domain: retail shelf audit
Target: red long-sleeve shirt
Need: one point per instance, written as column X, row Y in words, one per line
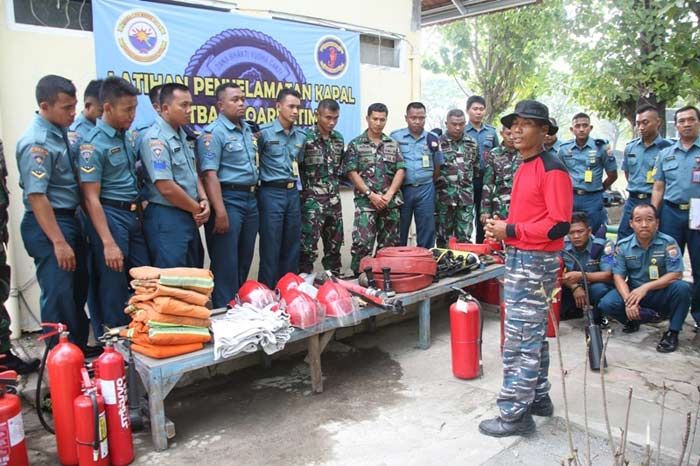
column 541, row 204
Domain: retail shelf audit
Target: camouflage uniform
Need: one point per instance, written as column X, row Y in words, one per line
column 498, row 181
column 4, row 268
column 321, row 211
column 530, row 278
column 376, row 165
column 455, row 189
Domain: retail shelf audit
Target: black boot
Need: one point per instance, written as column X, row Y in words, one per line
column 631, row 326
column 542, row 407
column 13, row 363
column 498, row 427
column 668, row 343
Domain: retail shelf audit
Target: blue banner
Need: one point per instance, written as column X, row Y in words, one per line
column 151, row 43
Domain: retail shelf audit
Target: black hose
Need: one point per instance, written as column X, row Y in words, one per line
column 37, row 396
column 96, row 417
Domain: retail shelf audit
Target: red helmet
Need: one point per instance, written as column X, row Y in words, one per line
column 302, row 309
column 287, row 282
column 336, row 300
column 255, row 293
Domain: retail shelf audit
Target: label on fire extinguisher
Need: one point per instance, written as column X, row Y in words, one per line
column 109, row 392
column 4, row 444
column 104, row 447
column 16, row 427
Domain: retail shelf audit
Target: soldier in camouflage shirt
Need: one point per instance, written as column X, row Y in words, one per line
column 455, row 191
column 321, row 211
column 500, row 170
column 10, row 361
column 375, row 166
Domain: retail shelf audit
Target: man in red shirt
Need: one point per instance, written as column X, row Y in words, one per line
column 538, row 220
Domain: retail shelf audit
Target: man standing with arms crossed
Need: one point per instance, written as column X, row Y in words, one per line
column 538, row 220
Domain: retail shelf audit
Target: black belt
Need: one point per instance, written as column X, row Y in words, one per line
column 279, row 184
column 238, row 187
column 634, row 195
column 64, row 212
column 130, row 206
column 581, row 192
column 685, row 206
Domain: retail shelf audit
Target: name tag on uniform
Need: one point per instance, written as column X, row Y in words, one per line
column 177, row 149
column 653, row 272
column 426, row 161
column 588, row 176
column 650, row 176
column 696, row 175
column 295, row 168
column 115, row 150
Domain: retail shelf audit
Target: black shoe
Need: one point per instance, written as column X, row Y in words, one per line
column 498, row 427
column 696, row 327
column 604, row 322
column 668, row 343
column 14, row 363
column 631, row 326
column 92, row 351
column 542, row 407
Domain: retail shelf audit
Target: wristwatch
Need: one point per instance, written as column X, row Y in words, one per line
column 368, row 192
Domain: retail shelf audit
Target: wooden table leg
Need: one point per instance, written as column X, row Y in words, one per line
column 156, row 412
column 424, row 324
column 314, row 360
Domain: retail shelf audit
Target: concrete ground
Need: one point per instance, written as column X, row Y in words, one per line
column 388, row 403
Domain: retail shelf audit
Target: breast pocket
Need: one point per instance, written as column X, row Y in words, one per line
column 633, row 263
column 63, row 164
column 117, row 159
column 669, row 166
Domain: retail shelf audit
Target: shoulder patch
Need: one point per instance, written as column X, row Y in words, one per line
column 157, row 147
column 39, row 174
column 206, row 139
column 672, row 251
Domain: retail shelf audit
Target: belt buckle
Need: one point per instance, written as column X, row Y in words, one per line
column 642, row 196
column 251, row 188
column 684, row 206
column 132, row 207
column 580, row 192
column 290, row 185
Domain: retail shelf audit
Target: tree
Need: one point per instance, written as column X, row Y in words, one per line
column 502, row 55
column 630, row 52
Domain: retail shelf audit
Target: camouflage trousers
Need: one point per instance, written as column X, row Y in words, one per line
column 454, row 221
column 369, row 225
column 321, row 219
column 530, row 279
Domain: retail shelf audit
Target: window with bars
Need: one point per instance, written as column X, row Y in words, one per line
column 378, row 50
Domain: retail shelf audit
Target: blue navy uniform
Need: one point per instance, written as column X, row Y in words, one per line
column 597, row 256
column 278, row 201
column 679, row 169
column 421, row 155
column 586, row 165
column 638, row 163
column 229, row 150
column 639, row 266
column 171, row 234
column 77, row 131
column 108, row 157
column 554, row 150
column 45, row 167
column 486, row 139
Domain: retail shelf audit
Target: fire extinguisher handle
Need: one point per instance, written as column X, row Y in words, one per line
column 58, row 328
column 85, row 376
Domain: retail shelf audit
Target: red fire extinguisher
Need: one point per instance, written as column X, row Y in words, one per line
column 90, row 425
column 64, row 363
column 465, row 330
column 110, row 376
column 13, row 449
column 556, row 303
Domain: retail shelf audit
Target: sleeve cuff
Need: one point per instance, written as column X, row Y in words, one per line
column 510, row 230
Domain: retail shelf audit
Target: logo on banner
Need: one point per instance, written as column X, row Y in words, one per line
column 141, row 36
column 331, row 57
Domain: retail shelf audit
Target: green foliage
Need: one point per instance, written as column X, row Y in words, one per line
column 503, row 55
column 626, row 52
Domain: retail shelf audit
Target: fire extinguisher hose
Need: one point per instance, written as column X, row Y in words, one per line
column 37, row 396
column 96, row 425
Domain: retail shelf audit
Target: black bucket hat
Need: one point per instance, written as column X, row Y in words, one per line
column 530, row 109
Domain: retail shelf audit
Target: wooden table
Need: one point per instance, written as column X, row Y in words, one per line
column 159, row 376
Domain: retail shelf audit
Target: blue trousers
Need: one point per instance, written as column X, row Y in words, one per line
column 231, row 253
column 112, row 288
column 625, row 229
column 172, row 237
column 671, row 302
column 674, row 222
column 280, row 233
column 93, row 302
column 592, row 205
column 63, row 293
column 596, row 292
column 419, row 201
column 478, row 187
